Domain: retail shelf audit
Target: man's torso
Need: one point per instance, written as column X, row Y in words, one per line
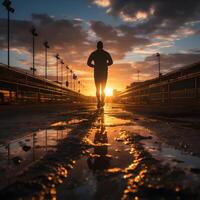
column 100, row 58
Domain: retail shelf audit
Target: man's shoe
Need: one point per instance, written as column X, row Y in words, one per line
column 98, row 105
column 102, row 104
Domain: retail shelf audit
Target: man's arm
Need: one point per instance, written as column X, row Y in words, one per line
column 89, row 62
column 110, row 61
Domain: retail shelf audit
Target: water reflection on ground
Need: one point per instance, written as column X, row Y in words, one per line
column 19, row 154
column 105, row 154
column 98, row 174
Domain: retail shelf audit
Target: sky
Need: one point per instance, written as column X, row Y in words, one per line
column 133, row 31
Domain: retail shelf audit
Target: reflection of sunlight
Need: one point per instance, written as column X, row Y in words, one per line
column 109, row 91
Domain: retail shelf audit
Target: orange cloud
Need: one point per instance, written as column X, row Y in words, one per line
column 102, row 3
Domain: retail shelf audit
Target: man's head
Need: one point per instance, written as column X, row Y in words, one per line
column 100, row 45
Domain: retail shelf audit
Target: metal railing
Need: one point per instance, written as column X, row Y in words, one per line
column 185, row 88
column 22, row 86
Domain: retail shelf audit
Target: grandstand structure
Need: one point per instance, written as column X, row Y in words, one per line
column 179, row 86
column 19, row 86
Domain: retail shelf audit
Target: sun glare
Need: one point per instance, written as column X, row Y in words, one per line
column 109, row 91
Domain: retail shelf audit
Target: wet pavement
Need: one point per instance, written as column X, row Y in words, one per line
column 98, row 154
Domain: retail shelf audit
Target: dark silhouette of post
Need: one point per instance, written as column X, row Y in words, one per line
column 62, row 63
column 57, row 59
column 158, row 56
column 79, row 86
column 138, row 72
column 7, row 5
column 67, row 82
column 74, row 78
column 34, row 34
column 76, row 83
column 71, row 79
column 46, row 45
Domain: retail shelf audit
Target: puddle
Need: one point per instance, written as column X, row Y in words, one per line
column 20, row 153
column 165, row 153
column 173, row 157
column 108, row 157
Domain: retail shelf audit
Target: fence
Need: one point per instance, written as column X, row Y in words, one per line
column 18, row 86
column 179, row 88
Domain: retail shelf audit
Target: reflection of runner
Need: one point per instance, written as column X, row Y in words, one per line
column 100, row 60
column 101, row 161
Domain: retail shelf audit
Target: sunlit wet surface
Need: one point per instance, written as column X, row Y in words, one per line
column 101, row 155
column 22, row 152
column 92, row 176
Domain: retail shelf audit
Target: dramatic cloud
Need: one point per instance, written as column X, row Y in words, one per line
column 155, row 17
column 66, row 36
column 118, row 40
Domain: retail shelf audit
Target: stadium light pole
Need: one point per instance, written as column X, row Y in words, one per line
column 62, row 63
column 79, row 84
column 158, row 56
column 76, row 83
column 7, row 5
column 71, row 79
column 34, row 34
column 46, row 46
column 74, row 77
column 67, row 82
column 57, row 59
column 138, row 72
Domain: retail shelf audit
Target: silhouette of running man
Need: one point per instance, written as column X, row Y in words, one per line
column 100, row 60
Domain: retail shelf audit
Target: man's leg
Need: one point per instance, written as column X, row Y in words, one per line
column 97, row 84
column 103, row 87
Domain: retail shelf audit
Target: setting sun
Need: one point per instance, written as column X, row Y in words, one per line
column 109, row 91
